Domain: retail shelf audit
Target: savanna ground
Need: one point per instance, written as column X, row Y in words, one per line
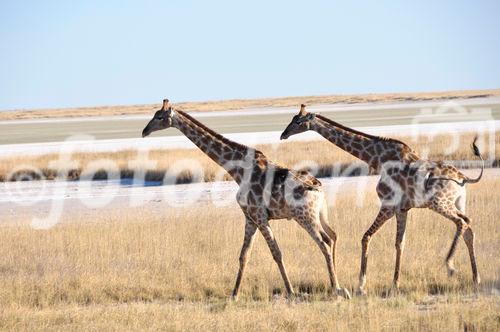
column 175, row 271
column 235, row 104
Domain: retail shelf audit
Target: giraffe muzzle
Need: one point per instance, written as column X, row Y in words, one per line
column 145, row 132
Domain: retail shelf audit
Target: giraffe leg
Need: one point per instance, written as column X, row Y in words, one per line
column 463, row 228
column 452, row 214
column 250, row 228
column 468, row 236
column 401, row 218
column 323, row 216
column 266, row 231
column 451, row 252
column 384, row 214
column 333, row 236
column 324, row 242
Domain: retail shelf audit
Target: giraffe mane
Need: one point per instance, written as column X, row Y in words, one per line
column 360, row 133
column 219, row 136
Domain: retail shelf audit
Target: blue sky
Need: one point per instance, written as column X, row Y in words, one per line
column 84, row 53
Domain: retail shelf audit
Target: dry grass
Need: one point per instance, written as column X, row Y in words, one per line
column 224, row 105
column 291, row 154
column 451, row 314
column 137, row 270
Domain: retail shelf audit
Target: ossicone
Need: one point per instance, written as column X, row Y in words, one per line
column 166, row 104
column 302, row 109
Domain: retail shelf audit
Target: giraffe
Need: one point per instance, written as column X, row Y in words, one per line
column 406, row 181
column 266, row 191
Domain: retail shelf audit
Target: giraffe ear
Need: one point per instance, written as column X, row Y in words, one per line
column 310, row 116
column 166, row 105
column 305, row 118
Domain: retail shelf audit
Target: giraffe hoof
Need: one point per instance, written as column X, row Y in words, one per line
column 291, row 296
column 451, row 272
column 361, row 292
column 344, row 293
column 301, row 297
column 393, row 291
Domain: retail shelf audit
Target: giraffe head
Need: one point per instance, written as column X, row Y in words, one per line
column 161, row 120
column 300, row 123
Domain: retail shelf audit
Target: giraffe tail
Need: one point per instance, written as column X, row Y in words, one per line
column 477, row 153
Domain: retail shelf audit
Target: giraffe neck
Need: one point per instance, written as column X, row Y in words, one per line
column 231, row 156
column 361, row 146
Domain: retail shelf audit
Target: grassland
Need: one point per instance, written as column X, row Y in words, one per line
column 224, row 105
column 137, row 270
column 291, row 154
